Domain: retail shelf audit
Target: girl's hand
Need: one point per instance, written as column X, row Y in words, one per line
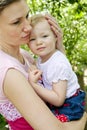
column 57, row 31
column 34, row 74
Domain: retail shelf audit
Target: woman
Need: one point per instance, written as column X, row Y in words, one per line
column 19, row 103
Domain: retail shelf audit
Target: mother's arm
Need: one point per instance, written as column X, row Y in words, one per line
column 33, row 109
column 77, row 125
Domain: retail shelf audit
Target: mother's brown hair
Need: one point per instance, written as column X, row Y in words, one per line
column 5, row 3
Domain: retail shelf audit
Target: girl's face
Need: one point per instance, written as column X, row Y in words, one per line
column 42, row 40
column 14, row 24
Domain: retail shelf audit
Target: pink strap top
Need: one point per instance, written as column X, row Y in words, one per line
column 7, row 109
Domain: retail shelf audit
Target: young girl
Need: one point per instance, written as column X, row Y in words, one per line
column 60, row 89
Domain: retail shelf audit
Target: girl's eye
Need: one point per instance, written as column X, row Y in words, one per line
column 45, row 35
column 32, row 39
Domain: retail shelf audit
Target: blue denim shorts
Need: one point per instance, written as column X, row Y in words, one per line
column 73, row 107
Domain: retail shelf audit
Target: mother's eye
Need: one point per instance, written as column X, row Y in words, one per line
column 27, row 16
column 16, row 22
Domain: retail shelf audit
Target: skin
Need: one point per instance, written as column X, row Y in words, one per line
column 14, row 31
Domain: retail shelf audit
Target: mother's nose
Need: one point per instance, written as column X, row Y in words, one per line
column 27, row 26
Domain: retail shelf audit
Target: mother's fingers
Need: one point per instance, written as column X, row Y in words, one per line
column 57, row 32
column 52, row 20
column 49, row 17
column 54, row 25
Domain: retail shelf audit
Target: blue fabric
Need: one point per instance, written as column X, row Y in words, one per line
column 73, row 107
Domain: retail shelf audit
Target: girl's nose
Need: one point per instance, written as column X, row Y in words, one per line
column 39, row 41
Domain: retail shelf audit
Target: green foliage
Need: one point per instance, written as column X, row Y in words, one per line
column 2, row 122
column 75, row 37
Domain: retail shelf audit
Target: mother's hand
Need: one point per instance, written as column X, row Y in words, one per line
column 57, row 31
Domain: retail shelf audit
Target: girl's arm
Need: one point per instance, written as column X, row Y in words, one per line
column 56, row 96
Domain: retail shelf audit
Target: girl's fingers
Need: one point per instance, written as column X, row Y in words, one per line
column 36, row 72
column 34, row 75
column 32, row 67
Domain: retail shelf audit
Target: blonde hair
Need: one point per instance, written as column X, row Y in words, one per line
column 36, row 19
column 40, row 17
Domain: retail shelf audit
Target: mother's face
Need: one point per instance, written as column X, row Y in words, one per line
column 14, row 24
